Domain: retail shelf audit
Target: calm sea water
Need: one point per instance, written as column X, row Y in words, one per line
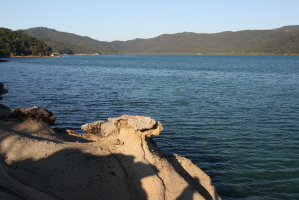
column 236, row 117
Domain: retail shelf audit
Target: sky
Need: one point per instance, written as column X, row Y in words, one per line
column 111, row 20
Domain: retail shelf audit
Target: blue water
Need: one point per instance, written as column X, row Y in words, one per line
column 236, row 117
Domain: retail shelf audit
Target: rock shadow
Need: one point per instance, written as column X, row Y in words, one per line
column 73, row 174
column 193, row 182
column 56, row 135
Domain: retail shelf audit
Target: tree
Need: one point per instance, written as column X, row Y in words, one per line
column 17, row 43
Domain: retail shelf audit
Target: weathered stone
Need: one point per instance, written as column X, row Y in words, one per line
column 35, row 113
column 148, row 126
column 93, row 128
column 87, row 166
column 109, row 128
column 140, row 123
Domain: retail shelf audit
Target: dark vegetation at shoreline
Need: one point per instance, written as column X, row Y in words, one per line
column 281, row 41
column 284, row 40
column 68, row 42
column 17, row 43
column 67, row 48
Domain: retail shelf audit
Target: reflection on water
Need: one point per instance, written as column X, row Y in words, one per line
column 236, row 117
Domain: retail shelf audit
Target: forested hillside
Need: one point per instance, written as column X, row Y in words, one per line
column 285, row 44
column 67, row 48
column 17, row 43
column 279, row 41
column 72, row 42
column 284, row 40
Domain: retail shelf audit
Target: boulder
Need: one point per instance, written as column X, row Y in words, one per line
column 35, row 114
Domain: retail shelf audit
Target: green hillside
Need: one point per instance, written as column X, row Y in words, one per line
column 67, row 48
column 69, row 38
column 17, row 43
column 287, row 43
column 282, row 40
column 279, row 41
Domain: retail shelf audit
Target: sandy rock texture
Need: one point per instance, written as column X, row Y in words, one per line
column 116, row 159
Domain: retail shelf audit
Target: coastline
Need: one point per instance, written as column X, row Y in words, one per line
column 32, row 56
column 115, row 155
column 126, row 53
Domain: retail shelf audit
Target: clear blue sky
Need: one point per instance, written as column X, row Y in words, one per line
column 129, row 19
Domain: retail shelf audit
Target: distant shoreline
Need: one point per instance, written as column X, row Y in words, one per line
column 30, row 56
column 248, row 54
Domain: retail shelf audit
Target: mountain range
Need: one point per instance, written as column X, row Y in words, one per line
column 284, row 40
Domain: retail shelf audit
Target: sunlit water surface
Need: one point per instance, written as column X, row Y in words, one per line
column 236, row 117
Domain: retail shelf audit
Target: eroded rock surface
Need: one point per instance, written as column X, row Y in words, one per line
column 113, row 126
column 116, row 159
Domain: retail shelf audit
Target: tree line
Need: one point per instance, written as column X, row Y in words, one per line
column 75, row 43
column 284, row 40
column 17, row 43
column 67, row 48
column 240, row 42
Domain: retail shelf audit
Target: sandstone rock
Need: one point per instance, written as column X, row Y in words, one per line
column 124, row 163
column 108, row 128
column 35, row 114
column 140, row 123
column 146, row 125
column 93, row 128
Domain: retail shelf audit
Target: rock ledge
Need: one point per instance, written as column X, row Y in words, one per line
column 116, row 159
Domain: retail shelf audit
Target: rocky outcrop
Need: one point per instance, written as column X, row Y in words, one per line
column 113, row 126
column 34, row 114
column 2, row 90
column 116, row 159
column 172, row 176
column 4, row 111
